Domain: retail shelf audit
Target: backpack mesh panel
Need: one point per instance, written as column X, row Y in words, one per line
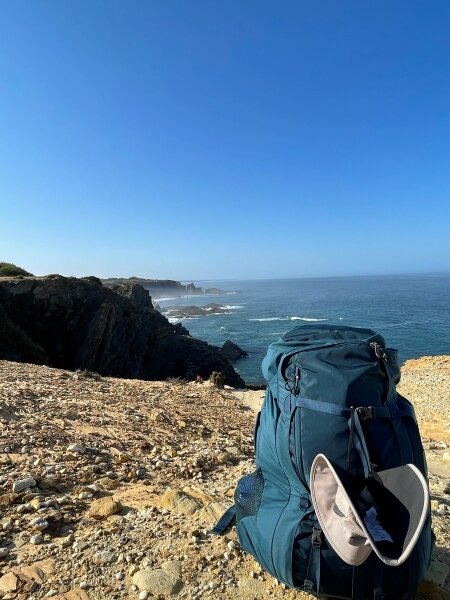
column 248, row 495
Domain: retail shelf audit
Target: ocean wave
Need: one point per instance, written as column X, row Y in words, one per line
column 174, row 320
column 312, row 319
column 233, row 307
column 164, row 299
column 271, row 319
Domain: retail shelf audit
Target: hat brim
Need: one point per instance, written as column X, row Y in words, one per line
column 401, row 502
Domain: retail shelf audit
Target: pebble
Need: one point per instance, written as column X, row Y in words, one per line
column 22, row 484
column 39, row 524
column 37, row 539
column 4, row 552
column 76, row 448
column 143, row 595
column 80, row 545
column 85, row 495
column 104, row 557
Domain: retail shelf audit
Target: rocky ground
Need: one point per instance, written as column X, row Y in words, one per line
column 108, row 487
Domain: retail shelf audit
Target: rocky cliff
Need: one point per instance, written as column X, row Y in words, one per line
column 80, row 324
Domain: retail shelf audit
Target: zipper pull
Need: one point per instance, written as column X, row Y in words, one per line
column 379, row 350
column 297, row 381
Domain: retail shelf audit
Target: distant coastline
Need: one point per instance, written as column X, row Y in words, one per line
column 158, row 288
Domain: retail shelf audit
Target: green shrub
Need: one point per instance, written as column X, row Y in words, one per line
column 10, row 270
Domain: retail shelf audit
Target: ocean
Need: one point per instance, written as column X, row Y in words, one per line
column 412, row 312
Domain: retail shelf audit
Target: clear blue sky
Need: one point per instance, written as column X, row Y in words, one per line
column 225, row 138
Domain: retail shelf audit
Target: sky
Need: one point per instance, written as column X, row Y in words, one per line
column 210, row 139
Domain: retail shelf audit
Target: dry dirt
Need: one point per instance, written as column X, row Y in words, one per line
column 126, row 478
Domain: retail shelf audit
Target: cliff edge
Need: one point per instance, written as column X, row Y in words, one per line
column 75, row 323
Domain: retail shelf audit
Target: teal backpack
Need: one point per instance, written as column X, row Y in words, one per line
column 330, row 391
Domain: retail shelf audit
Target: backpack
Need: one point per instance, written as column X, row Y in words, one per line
column 330, row 393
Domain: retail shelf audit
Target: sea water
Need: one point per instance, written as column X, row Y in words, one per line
column 412, row 312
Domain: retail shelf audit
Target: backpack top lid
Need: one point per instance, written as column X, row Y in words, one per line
column 304, row 337
column 309, row 334
column 385, row 513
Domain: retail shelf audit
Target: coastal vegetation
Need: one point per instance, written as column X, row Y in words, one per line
column 10, row 270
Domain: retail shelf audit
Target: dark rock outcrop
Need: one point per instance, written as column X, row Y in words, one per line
column 217, row 378
column 79, row 324
column 231, row 351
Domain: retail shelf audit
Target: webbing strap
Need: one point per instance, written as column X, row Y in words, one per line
column 378, row 583
column 225, row 521
column 360, row 444
column 316, row 563
column 326, row 407
column 357, row 583
column 390, row 411
column 413, row 573
column 313, row 570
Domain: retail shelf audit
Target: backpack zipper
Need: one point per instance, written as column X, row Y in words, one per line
column 379, row 350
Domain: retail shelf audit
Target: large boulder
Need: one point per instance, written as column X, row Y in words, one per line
column 74, row 324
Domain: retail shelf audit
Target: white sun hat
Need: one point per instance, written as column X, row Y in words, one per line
column 385, row 513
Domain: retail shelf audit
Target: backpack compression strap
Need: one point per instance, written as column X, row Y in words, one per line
column 226, row 520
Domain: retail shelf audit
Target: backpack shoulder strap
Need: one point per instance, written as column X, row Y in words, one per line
column 225, row 522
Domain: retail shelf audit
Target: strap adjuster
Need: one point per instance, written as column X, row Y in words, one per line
column 365, row 412
column 308, row 586
column 316, row 537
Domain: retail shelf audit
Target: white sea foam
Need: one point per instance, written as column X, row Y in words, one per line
column 271, row 319
column 233, row 307
column 164, row 299
column 179, row 319
column 312, row 319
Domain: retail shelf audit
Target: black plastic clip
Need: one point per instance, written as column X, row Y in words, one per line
column 316, row 537
column 365, row 412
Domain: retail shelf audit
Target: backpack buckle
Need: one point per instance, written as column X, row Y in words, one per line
column 316, row 537
column 365, row 412
column 308, row 586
